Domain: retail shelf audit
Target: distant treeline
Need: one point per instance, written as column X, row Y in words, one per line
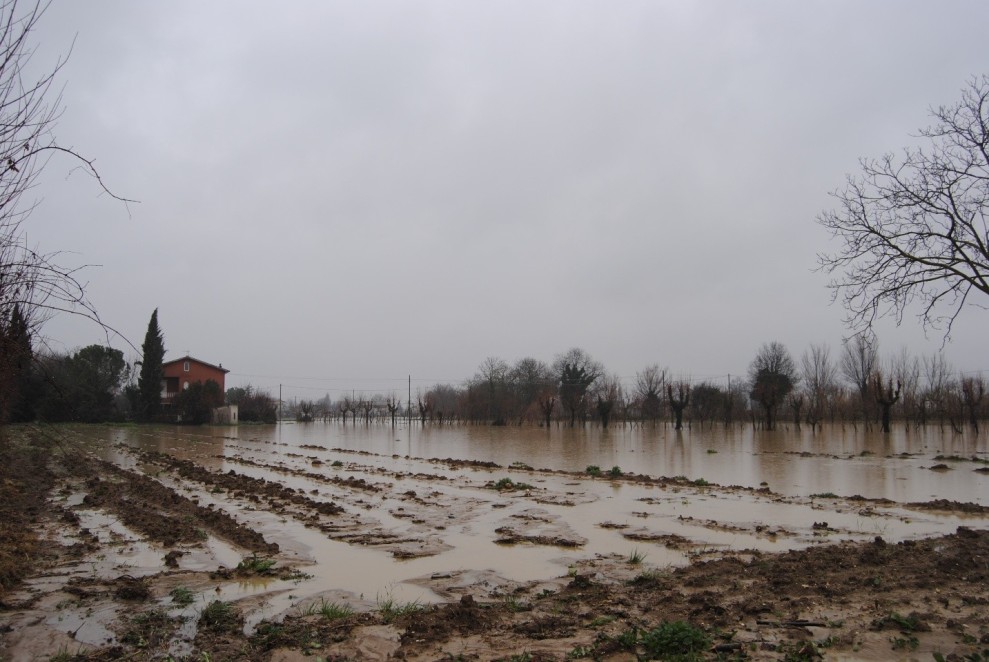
column 856, row 385
column 96, row 384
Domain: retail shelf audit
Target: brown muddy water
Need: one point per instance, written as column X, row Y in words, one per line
column 420, row 527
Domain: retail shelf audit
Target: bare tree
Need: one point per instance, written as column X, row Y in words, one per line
column 819, row 375
column 859, row 360
column 973, row 391
column 547, row 401
column 914, row 228
column 34, row 283
column 678, row 395
column 607, row 394
column 492, row 391
column 649, row 386
column 905, row 369
column 886, row 396
column 393, row 404
column 708, row 402
column 575, row 371
column 367, row 406
column 773, row 376
column 529, row 379
column 306, row 411
column 796, row 402
column 425, row 406
column 937, row 374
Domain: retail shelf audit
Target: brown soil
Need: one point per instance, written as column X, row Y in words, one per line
column 158, row 512
column 24, row 485
column 871, row 600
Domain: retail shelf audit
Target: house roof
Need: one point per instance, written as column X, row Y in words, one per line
column 191, row 358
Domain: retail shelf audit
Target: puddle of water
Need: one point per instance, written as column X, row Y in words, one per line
column 85, row 625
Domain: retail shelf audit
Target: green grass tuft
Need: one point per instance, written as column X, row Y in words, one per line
column 391, row 610
column 182, row 596
column 676, row 640
column 257, row 565
column 635, row 557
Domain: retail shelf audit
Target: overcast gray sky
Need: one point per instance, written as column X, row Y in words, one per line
column 338, row 192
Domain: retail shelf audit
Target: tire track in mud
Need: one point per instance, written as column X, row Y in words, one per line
column 241, row 486
column 346, row 483
column 25, row 479
column 157, row 511
column 293, row 503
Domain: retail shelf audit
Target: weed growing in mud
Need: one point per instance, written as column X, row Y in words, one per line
column 515, row 605
column 256, row 565
column 593, row 470
column 507, row 485
column 635, row 557
column 700, row 482
column 331, row 611
column 219, row 616
column 628, row 639
column 520, row 465
column 182, row 596
column 390, row 610
column 616, row 472
column 824, row 495
column 602, row 620
column 647, row 578
column 906, row 624
column 149, row 629
column 675, row 640
column 337, row 463
column 580, row 652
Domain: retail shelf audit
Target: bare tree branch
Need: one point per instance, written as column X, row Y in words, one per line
column 915, row 228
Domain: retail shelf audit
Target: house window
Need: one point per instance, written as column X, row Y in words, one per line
column 185, row 366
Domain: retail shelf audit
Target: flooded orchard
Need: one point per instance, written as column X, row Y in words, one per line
column 288, row 520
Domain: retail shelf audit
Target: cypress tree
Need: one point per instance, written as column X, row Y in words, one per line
column 149, row 381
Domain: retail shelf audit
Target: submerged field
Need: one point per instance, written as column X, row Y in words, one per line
column 370, row 542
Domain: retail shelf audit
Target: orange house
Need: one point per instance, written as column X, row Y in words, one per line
column 178, row 374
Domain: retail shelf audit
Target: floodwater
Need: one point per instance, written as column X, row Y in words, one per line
column 844, row 460
column 797, row 466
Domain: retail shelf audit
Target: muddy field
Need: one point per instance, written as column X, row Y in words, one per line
column 255, row 549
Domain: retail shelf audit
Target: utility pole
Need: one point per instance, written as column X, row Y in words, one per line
column 408, row 410
column 279, row 403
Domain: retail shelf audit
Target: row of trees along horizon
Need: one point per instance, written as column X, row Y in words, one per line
column 912, row 231
column 96, row 384
column 857, row 385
